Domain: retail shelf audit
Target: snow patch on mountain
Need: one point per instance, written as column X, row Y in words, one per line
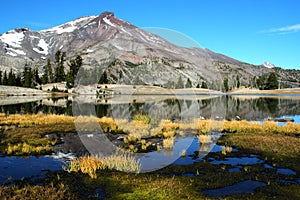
column 268, row 65
column 70, row 26
column 15, row 52
column 43, row 47
column 12, row 38
column 108, row 22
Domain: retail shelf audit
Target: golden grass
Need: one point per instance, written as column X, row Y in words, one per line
column 205, row 139
column 132, row 138
column 26, row 149
column 226, row 149
column 91, row 164
column 145, row 144
column 168, row 143
column 26, row 120
column 167, row 125
column 267, row 126
column 183, row 153
column 142, row 118
column 122, row 162
column 134, row 128
column 87, row 165
column 138, row 125
column 30, row 130
column 169, row 134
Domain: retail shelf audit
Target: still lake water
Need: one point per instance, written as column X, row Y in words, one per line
column 175, row 108
column 248, row 107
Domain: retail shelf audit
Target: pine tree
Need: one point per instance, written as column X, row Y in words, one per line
column 11, row 78
column 179, row 83
column 18, row 80
column 238, row 84
column 37, row 80
column 0, row 77
column 272, row 82
column 27, row 78
column 5, row 79
column 103, row 79
column 204, row 85
column 74, row 65
column 60, row 69
column 47, row 76
column 225, row 83
column 188, row 83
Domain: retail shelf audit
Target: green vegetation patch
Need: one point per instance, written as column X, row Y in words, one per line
column 280, row 149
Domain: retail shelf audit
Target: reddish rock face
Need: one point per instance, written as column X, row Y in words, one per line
column 115, row 21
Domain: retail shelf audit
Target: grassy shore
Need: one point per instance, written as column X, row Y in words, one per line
column 93, row 177
column 265, row 92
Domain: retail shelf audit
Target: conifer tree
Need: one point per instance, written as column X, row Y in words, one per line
column 0, row 77
column 204, row 85
column 188, row 83
column 18, row 79
column 272, row 82
column 238, row 83
column 60, row 69
column 74, row 65
column 225, row 83
column 27, row 78
column 5, row 79
column 11, row 78
column 179, row 83
column 47, row 76
column 37, row 80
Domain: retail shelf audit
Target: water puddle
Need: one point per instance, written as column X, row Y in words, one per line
column 286, row 171
column 267, row 166
column 234, row 169
column 237, row 161
column 25, row 167
column 240, row 188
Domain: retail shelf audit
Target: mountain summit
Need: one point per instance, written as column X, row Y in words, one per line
column 141, row 57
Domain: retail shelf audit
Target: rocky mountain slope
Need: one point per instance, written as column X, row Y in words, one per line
column 128, row 54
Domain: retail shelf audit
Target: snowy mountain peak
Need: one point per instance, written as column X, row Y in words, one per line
column 110, row 19
column 70, row 26
column 268, row 65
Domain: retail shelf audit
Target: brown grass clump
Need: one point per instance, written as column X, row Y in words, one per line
column 204, row 126
column 132, row 138
column 142, row 118
column 205, row 139
column 168, row 143
column 226, row 149
column 167, row 125
column 27, row 120
column 169, row 134
column 145, row 144
column 26, row 149
column 87, row 165
column 90, row 164
column 134, row 127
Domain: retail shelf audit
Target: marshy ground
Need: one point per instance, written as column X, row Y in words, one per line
column 252, row 161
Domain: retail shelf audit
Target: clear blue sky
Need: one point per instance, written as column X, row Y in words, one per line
column 252, row 31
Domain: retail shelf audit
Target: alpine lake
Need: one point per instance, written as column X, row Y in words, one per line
column 182, row 147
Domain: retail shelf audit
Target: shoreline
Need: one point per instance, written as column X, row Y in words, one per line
column 6, row 91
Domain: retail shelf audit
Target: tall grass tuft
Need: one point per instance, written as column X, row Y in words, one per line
column 205, row 139
column 168, row 143
column 91, row 164
column 142, row 118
